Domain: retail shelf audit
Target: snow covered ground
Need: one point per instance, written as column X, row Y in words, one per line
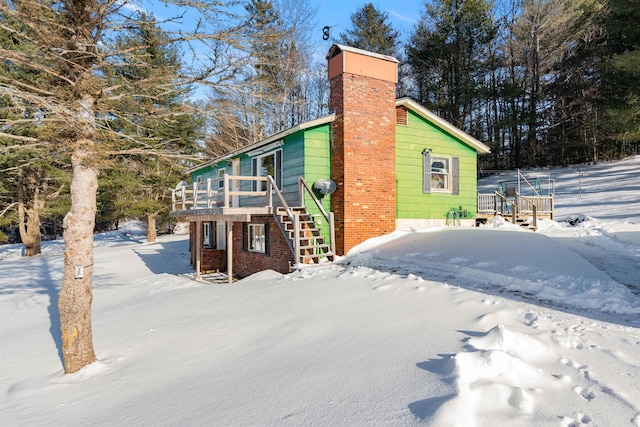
column 446, row 327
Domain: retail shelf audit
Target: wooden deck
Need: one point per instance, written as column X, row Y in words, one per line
column 220, row 199
column 508, row 201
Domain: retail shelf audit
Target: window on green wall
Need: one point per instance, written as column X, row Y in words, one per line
column 268, row 164
column 440, row 173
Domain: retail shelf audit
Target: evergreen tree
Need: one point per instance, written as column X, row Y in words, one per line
column 371, row 30
column 78, row 99
column 447, row 55
column 620, row 71
column 33, row 176
column 144, row 181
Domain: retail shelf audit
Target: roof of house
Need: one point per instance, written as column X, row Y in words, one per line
column 406, row 102
column 273, row 138
column 443, row 124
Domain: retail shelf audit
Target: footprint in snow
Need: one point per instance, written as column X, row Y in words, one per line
column 580, row 420
column 586, row 393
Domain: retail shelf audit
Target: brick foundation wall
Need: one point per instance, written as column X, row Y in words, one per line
column 245, row 263
column 279, row 259
column 362, row 158
column 213, row 260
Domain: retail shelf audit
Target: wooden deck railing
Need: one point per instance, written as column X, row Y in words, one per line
column 516, row 207
column 216, row 193
column 219, row 193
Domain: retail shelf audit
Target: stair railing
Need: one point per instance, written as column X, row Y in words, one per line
column 293, row 217
column 302, row 187
column 534, row 210
column 514, row 206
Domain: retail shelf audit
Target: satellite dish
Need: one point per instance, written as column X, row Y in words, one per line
column 324, row 186
column 181, row 184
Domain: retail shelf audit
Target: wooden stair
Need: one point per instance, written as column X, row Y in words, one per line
column 313, row 247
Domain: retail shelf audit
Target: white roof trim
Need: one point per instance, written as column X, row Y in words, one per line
column 258, row 145
column 443, row 124
column 266, row 148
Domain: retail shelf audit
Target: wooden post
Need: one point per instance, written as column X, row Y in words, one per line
column 301, row 191
column 229, row 250
column 226, row 190
column 195, row 196
column 296, row 237
column 332, row 232
column 535, row 217
column 198, row 249
column 208, row 192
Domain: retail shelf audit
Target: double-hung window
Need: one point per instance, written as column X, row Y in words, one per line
column 267, row 164
column 440, row 173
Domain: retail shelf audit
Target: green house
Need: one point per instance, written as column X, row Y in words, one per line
column 309, row 193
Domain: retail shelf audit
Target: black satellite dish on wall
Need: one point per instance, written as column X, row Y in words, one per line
column 324, row 186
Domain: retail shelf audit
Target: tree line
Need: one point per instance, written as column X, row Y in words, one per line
column 542, row 82
column 104, row 106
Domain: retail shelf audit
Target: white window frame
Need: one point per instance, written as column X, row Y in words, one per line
column 221, row 174
column 206, row 234
column 437, row 176
column 256, row 166
column 256, row 238
column 199, row 178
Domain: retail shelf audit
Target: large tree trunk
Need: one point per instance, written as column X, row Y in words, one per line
column 152, row 236
column 74, row 302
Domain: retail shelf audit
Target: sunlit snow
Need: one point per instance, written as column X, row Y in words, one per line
column 491, row 326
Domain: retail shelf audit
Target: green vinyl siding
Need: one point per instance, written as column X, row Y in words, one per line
column 205, row 172
column 411, row 202
column 317, row 165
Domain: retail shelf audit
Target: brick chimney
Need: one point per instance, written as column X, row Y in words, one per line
column 363, row 97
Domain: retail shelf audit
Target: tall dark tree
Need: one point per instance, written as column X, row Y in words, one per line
column 447, row 53
column 371, row 30
column 620, row 71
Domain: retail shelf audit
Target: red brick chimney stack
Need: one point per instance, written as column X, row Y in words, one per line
column 363, row 97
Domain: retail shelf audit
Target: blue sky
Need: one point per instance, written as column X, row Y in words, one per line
column 403, row 14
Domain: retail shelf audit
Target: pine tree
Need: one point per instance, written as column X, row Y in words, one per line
column 78, row 98
column 371, row 30
column 620, row 71
column 33, row 175
column 144, row 180
column 447, row 54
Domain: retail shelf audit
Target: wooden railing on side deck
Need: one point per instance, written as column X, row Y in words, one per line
column 208, row 194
